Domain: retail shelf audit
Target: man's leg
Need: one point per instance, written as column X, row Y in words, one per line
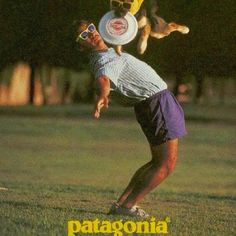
column 138, row 174
column 149, row 176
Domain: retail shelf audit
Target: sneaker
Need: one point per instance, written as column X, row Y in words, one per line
column 113, row 208
column 135, row 211
column 140, row 212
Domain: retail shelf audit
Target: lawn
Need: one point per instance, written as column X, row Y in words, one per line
column 59, row 164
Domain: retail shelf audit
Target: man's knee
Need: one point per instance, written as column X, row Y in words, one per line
column 167, row 162
column 165, row 155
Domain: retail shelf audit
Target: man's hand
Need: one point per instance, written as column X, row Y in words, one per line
column 100, row 103
column 103, row 85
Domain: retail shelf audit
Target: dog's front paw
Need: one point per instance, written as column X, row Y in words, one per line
column 142, row 42
column 118, row 49
column 142, row 46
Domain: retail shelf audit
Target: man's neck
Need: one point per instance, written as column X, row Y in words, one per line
column 102, row 47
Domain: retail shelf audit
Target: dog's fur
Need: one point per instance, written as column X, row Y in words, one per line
column 149, row 23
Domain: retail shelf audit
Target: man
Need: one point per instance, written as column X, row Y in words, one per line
column 135, row 83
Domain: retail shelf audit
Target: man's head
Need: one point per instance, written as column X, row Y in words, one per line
column 88, row 37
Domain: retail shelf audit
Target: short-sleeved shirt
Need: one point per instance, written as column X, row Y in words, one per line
column 132, row 80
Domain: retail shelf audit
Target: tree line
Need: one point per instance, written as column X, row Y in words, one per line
column 42, row 33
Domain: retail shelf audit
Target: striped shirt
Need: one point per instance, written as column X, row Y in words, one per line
column 131, row 80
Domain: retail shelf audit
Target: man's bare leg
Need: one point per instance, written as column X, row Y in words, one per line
column 132, row 183
column 149, row 176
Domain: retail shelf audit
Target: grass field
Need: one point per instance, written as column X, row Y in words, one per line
column 58, row 164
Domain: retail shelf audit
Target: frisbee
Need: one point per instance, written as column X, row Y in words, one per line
column 118, row 30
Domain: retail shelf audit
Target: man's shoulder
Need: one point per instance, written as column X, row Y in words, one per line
column 130, row 58
column 107, row 57
column 95, row 55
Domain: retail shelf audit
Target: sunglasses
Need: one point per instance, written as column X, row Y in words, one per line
column 85, row 34
column 117, row 3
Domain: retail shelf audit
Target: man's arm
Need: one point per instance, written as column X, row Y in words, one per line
column 103, row 86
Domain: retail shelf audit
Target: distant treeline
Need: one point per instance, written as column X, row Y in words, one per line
column 41, row 33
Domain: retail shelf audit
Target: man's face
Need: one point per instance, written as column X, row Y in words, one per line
column 89, row 37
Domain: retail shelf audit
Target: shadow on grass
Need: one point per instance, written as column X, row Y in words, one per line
column 189, row 197
column 195, row 113
column 92, row 212
column 33, row 205
column 202, row 119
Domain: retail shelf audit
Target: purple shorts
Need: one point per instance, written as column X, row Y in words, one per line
column 161, row 117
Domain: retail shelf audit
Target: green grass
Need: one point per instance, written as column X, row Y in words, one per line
column 58, row 164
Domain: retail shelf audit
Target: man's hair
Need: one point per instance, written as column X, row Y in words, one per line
column 77, row 31
column 77, row 24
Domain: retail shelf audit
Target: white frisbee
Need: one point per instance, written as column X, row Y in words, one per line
column 118, row 30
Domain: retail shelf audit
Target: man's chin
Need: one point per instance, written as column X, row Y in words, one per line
column 99, row 41
column 98, row 44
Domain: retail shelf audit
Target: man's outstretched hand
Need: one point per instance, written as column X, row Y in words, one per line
column 100, row 103
column 103, row 85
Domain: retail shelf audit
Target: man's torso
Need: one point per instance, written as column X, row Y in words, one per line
column 132, row 80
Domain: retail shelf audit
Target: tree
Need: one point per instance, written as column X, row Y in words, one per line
column 40, row 32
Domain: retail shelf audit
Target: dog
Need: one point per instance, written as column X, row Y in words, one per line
column 149, row 23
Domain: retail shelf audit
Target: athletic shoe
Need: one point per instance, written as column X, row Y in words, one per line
column 135, row 211
column 113, row 208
